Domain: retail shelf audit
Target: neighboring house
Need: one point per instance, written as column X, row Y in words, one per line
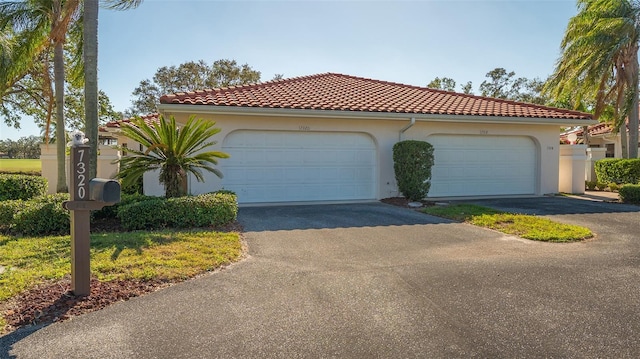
column 329, row 137
column 601, row 135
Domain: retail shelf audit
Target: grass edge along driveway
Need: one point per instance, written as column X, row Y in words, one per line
column 140, row 256
column 526, row 226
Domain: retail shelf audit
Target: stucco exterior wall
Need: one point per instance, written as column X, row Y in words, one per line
column 385, row 134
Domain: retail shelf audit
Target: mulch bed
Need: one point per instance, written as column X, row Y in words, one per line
column 52, row 302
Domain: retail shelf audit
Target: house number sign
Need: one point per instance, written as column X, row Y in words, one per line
column 79, row 182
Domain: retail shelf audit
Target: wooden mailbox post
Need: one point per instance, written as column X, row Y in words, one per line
column 86, row 195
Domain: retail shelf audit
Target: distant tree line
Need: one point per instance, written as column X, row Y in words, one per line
column 24, row 147
column 502, row 84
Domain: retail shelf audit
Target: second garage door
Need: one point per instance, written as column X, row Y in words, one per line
column 483, row 165
column 281, row 166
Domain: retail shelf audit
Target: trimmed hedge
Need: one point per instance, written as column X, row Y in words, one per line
column 13, row 186
column 125, row 199
column 618, row 170
column 42, row 216
column 8, row 210
column 212, row 209
column 630, row 193
column 412, row 162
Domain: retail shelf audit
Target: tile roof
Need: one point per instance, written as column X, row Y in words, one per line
column 594, row 130
column 148, row 119
column 337, row 92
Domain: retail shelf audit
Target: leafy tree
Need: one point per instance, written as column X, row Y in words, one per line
column 502, row 84
column 505, row 85
column 444, row 83
column 28, row 98
column 42, row 25
column 172, row 150
column 188, row 76
column 468, row 88
column 599, row 61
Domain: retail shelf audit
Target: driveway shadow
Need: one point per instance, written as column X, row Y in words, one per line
column 553, row 205
column 277, row 218
column 7, row 341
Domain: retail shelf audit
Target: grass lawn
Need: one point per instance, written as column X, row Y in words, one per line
column 525, row 226
column 20, row 165
column 168, row 255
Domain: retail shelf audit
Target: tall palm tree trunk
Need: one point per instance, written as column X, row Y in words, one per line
column 90, row 55
column 633, row 113
column 58, row 74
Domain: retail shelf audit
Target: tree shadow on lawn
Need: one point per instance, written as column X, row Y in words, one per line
column 118, row 242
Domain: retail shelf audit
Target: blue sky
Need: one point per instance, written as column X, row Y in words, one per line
column 409, row 42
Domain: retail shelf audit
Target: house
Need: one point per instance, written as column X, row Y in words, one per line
column 601, row 135
column 329, row 137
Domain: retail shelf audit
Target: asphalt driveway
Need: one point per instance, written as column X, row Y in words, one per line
column 376, row 281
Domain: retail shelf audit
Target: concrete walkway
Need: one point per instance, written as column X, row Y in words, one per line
column 377, row 281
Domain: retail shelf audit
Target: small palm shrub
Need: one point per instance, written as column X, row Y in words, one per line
column 175, row 151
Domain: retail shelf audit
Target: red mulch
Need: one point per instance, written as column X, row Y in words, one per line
column 53, row 301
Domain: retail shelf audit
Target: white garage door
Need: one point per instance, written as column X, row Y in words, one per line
column 482, row 165
column 279, row 166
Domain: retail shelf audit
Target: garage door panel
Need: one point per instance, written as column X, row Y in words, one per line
column 482, row 165
column 299, row 166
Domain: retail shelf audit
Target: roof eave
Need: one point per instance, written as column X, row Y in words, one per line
column 292, row 112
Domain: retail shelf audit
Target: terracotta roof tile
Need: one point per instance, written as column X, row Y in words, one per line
column 148, row 119
column 594, row 130
column 337, row 92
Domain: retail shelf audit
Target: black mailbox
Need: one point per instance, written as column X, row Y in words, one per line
column 104, row 190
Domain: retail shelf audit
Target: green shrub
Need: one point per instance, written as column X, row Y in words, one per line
column 204, row 210
column 618, row 170
column 412, row 162
column 42, row 215
column 601, row 186
column 613, row 186
column 125, row 199
column 23, row 187
column 591, row 185
column 212, row 209
column 8, row 210
column 149, row 214
column 134, row 188
column 630, row 193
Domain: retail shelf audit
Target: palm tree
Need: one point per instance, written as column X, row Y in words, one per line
column 600, row 57
column 45, row 23
column 90, row 56
column 172, row 150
